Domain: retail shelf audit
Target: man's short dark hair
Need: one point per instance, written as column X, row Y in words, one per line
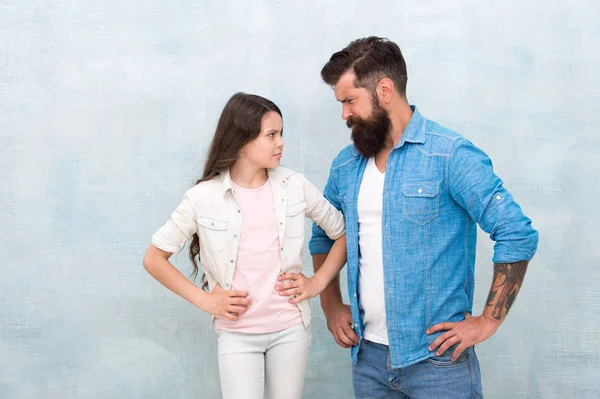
column 372, row 59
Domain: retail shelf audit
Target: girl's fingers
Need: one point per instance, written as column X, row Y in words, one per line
column 230, row 316
column 288, row 285
column 237, row 309
column 287, row 276
column 288, row 292
column 240, row 301
column 298, row 298
column 290, row 276
column 237, row 293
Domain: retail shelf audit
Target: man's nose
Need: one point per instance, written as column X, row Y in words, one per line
column 346, row 113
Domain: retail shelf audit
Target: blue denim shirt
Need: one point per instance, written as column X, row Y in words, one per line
column 438, row 187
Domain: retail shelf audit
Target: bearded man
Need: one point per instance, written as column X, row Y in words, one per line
column 412, row 193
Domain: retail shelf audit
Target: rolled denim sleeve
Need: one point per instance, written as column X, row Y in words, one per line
column 476, row 188
column 172, row 236
column 319, row 242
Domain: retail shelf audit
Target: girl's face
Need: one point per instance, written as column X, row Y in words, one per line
column 265, row 150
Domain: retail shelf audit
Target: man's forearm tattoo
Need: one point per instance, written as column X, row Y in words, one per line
column 508, row 278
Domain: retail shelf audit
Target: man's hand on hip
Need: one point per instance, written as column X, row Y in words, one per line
column 466, row 333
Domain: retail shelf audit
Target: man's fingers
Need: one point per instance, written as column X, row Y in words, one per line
column 457, row 352
column 341, row 335
column 442, row 338
column 447, row 344
column 338, row 315
column 347, row 335
column 350, row 333
column 340, row 343
column 441, row 327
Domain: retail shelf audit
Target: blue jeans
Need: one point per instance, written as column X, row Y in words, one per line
column 434, row 378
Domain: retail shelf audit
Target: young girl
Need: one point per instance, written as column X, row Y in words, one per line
column 246, row 219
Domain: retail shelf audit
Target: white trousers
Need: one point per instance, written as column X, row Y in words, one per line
column 272, row 364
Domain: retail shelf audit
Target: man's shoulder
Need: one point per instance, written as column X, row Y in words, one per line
column 440, row 140
column 347, row 155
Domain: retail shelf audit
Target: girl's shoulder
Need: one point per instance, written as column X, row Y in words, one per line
column 206, row 189
column 285, row 176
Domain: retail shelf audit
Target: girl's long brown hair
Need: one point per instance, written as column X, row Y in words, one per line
column 240, row 123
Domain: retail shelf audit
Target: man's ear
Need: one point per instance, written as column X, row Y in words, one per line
column 385, row 89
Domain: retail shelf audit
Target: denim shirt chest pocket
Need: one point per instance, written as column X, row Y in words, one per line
column 420, row 201
column 212, row 234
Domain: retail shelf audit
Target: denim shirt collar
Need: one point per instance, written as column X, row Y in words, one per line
column 415, row 131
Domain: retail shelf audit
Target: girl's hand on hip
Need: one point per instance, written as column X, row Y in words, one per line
column 227, row 304
column 298, row 286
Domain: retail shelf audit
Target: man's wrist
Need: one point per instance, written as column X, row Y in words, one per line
column 490, row 321
column 327, row 305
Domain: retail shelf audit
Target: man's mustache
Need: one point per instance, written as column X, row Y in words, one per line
column 352, row 121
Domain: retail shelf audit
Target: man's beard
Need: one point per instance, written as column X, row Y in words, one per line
column 369, row 135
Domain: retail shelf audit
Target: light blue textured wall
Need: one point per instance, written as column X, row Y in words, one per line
column 106, row 110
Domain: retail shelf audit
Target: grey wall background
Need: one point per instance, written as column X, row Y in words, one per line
column 106, row 111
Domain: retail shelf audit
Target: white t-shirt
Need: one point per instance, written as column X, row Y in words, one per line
column 370, row 276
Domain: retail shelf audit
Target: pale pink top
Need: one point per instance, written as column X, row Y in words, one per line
column 258, row 266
